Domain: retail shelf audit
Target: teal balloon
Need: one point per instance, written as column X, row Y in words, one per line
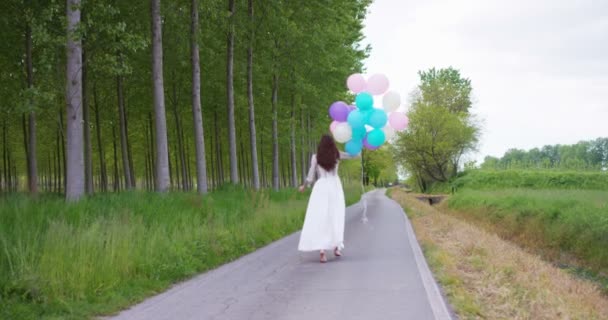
column 353, row 147
column 356, row 119
column 358, row 133
column 366, row 115
column 364, row 101
column 378, row 119
column 376, row 137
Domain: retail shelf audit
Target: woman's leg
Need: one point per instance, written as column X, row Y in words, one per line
column 323, row 257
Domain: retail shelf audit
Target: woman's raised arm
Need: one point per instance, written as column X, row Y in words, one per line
column 344, row 155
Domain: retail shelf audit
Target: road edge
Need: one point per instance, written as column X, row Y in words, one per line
column 436, row 299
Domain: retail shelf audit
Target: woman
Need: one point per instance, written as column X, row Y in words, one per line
column 324, row 223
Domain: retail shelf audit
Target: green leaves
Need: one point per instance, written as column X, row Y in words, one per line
column 440, row 131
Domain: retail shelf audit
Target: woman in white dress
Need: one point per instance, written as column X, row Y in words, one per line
column 324, row 223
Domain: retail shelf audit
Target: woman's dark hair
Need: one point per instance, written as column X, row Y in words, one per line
column 327, row 153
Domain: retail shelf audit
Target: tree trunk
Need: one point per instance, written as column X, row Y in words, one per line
column 102, row 160
column 242, row 168
column 293, row 158
column 88, row 151
column 177, row 175
column 162, row 156
column 180, row 140
column 124, row 149
column 75, row 148
column 252, row 130
column 116, row 182
column 10, row 172
column 62, row 158
column 302, row 146
column 5, row 165
column 152, row 147
column 197, row 116
column 130, row 153
column 212, row 162
column 58, row 171
column 218, row 146
column 32, row 165
column 234, row 174
column 264, row 178
column 188, row 168
column 275, row 133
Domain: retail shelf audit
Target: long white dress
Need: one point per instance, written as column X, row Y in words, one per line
column 324, row 223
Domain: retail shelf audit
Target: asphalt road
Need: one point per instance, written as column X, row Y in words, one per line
column 382, row 275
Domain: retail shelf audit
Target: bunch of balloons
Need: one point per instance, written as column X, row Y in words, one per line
column 362, row 124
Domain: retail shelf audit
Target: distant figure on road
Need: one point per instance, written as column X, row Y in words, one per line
column 324, row 223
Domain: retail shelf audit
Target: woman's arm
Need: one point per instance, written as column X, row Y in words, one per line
column 344, row 155
column 310, row 178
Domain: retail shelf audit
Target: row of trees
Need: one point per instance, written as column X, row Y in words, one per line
column 119, row 95
column 441, row 129
column 584, row 155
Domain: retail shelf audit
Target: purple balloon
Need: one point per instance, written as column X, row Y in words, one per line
column 338, row 111
column 367, row 145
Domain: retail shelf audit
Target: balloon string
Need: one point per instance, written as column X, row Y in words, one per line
column 363, row 199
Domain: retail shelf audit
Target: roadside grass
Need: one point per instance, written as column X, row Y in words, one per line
column 486, row 277
column 75, row 260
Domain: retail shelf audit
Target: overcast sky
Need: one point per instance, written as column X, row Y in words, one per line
column 539, row 69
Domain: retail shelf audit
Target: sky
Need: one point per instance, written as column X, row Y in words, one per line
column 539, row 69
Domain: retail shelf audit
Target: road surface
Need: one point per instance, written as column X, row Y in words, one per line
column 382, row 275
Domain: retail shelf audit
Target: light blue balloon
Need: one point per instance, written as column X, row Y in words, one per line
column 366, row 115
column 356, row 119
column 378, row 119
column 376, row 137
column 359, row 133
column 353, row 147
column 364, row 101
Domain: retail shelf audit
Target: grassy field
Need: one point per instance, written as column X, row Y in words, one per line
column 73, row 261
column 563, row 216
column 486, row 277
column 565, row 225
column 541, row 179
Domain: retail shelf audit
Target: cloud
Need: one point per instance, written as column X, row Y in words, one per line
column 539, row 68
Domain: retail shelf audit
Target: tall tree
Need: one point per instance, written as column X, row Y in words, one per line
column 441, row 130
column 32, row 163
column 124, row 143
column 234, row 170
column 160, row 120
column 88, row 150
column 197, row 116
column 75, row 161
column 252, row 131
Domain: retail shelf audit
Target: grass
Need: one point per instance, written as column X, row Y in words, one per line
column 569, row 227
column 539, row 179
column 486, row 277
column 74, row 261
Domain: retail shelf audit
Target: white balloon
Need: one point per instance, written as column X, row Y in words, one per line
column 391, row 101
column 389, row 132
column 343, row 132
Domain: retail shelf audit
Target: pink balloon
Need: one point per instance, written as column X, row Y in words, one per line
column 356, row 83
column 333, row 125
column 398, row 120
column 377, row 84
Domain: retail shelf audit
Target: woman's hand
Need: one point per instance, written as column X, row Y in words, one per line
column 302, row 188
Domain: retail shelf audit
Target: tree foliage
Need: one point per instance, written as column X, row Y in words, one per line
column 441, row 129
column 584, row 155
column 311, row 46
